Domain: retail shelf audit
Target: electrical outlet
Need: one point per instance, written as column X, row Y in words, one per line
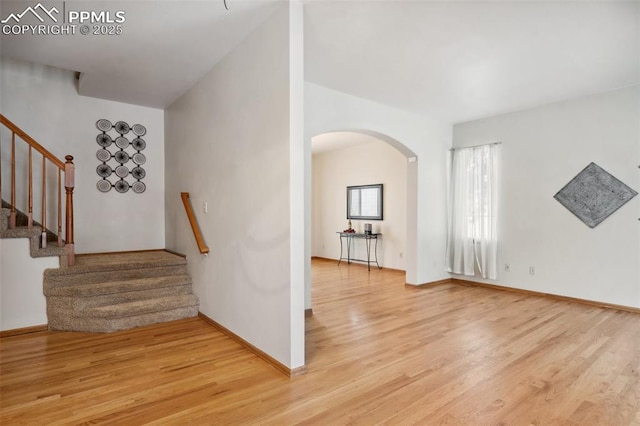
column 507, row 268
column 532, row 270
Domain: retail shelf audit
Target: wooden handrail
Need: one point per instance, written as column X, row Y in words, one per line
column 69, row 178
column 28, row 139
column 194, row 223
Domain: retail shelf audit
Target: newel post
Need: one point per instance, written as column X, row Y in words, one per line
column 69, row 184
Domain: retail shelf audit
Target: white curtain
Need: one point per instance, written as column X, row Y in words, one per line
column 472, row 242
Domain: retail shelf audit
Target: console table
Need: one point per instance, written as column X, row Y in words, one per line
column 346, row 238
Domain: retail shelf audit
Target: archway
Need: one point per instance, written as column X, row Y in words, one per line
column 409, row 184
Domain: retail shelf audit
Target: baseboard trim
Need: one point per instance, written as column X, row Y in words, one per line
column 24, row 330
column 386, row 268
column 328, row 259
column 290, row 372
column 429, row 284
column 549, row 295
column 359, row 263
column 469, row 283
column 175, row 252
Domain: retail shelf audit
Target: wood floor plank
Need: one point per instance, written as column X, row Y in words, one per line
column 378, row 352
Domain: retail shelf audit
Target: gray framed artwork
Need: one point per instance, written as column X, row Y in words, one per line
column 594, row 195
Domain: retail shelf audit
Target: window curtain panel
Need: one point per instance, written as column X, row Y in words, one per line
column 472, row 240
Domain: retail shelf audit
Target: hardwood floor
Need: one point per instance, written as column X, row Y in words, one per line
column 378, row 352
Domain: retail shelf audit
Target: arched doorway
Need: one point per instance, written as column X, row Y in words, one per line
column 363, row 157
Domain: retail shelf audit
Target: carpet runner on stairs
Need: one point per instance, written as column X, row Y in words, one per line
column 110, row 292
column 34, row 235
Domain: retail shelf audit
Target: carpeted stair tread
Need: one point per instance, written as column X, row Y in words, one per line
column 116, row 291
column 4, row 214
column 108, row 325
column 34, row 236
column 81, row 305
column 94, row 277
column 119, row 262
column 22, row 232
column 22, row 221
column 146, row 306
column 119, row 286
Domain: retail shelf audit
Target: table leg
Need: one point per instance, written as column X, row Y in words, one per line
column 368, row 253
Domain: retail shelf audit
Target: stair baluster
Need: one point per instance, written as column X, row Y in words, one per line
column 44, row 203
column 69, row 182
column 1, row 172
column 30, row 213
column 12, row 216
column 59, row 209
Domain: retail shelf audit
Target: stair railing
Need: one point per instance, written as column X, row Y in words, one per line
column 194, row 223
column 66, row 167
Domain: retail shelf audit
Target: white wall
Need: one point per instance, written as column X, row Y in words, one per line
column 22, row 301
column 369, row 163
column 43, row 101
column 299, row 198
column 228, row 138
column 328, row 110
column 542, row 149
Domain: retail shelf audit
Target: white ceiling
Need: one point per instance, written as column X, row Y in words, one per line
column 450, row 60
column 165, row 46
column 459, row 61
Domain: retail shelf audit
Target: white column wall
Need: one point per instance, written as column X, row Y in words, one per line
column 231, row 143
